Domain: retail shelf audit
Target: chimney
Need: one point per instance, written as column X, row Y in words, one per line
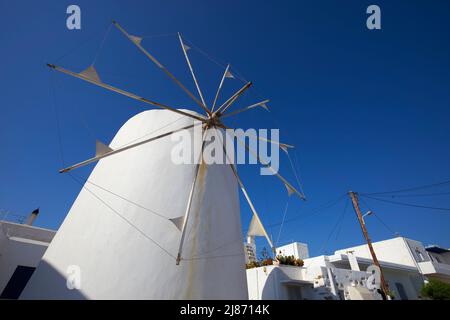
column 32, row 216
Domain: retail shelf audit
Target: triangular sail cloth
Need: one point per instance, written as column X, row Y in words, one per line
column 255, row 228
column 264, row 106
column 178, row 222
column 101, row 148
column 228, row 74
column 91, row 73
column 136, row 39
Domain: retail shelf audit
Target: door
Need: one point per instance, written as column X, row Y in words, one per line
column 17, row 283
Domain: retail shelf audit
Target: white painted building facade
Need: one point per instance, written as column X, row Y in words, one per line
column 21, row 249
column 406, row 265
column 315, row 282
column 438, row 267
column 296, row 249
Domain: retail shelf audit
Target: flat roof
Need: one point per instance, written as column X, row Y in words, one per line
column 366, row 261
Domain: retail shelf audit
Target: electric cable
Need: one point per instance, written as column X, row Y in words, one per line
column 407, row 204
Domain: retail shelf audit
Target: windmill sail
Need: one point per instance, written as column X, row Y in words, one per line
column 152, row 179
column 256, row 228
column 135, row 39
column 101, row 149
column 91, row 73
column 178, row 222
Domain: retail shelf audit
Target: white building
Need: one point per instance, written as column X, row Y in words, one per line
column 406, row 265
column 21, row 248
column 431, row 262
column 296, row 249
column 250, row 250
column 438, row 266
column 315, row 282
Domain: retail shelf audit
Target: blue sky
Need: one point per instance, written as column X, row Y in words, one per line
column 367, row 110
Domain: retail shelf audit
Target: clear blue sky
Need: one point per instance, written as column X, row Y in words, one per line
column 367, row 110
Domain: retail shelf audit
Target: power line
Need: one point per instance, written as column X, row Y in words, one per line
column 414, row 195
column 378, row 218
column 407, row 204
column 342, row 221
column 338, row 222
column 325, row 206
column 384, row 224
column 409, row 189
column 282, row 221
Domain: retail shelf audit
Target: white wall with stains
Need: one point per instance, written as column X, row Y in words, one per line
column 127, row 252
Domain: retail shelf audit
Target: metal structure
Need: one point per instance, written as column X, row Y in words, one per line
column 211, row 120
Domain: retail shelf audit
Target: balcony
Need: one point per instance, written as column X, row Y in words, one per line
column 435, row 268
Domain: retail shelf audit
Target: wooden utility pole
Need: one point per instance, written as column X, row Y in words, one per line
column 384, row 286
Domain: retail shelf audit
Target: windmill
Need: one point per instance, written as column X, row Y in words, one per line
column 212, row 119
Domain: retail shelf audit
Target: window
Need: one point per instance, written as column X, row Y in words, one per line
column 401, row 291
column 294, row 293
column 17, row 283
column 420, row 256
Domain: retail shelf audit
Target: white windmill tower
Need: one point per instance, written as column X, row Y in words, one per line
column 189, row 245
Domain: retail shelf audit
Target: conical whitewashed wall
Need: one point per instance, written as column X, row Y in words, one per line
column 112, row 241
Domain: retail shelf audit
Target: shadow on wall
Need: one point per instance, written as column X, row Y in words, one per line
column 273, row 289
column 280, row 286
column 48, row 283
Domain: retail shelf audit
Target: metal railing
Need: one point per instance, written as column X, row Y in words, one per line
column 7, row 215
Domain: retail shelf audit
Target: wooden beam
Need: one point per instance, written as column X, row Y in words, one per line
column 110, row 153
column 233, row 98
column 153, row 59
column 189, row 203
column 123, row 92
column 219, row 88
column 261, row 103
column 193, row 74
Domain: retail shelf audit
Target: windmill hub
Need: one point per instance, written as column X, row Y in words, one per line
column 214, row 121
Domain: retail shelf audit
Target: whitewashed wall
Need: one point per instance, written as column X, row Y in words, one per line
column 20, row 245
column 296, row 249
column 393, row 250
column 116, row 257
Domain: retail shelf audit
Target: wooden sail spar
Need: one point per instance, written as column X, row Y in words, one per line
column 261, row 104
column 185, row 48
column 256, row 225
column 232, row 99
column 220, row 87
column 122, row 92
column 185, row 218
column 110, row 152
column 162, row 67
column 290, row 188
